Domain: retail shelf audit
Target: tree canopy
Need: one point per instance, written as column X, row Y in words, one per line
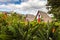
column 55, row 8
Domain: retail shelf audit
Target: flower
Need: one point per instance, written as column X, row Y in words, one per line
column 53, row 30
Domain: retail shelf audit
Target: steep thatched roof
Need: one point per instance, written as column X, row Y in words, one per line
column 44, row 15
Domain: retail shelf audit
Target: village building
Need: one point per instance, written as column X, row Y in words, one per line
column 30, row 17
column 43, row 16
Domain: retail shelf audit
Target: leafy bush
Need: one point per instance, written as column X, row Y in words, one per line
column 12, row 28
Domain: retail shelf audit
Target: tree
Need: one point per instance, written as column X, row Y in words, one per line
column 55, row 8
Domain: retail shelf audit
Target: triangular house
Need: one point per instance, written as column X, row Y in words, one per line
column 30, row 17
column 44, row 16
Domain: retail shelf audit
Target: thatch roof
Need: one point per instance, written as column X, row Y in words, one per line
column 44, row 16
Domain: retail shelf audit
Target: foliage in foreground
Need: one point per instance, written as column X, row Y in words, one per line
column 12, row 28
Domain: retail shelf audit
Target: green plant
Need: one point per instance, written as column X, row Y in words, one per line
column 12, row 28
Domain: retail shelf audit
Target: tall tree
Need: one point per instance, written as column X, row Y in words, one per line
column 55, row 8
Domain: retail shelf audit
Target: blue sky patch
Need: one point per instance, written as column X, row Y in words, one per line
column 10, row 1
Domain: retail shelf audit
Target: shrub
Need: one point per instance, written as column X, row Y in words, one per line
column 12, row 28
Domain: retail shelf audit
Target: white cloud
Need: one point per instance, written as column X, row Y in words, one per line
column 30, row 6
column 24, row 0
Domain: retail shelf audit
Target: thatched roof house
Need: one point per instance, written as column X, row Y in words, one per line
column 30, row 17
column 44, row 16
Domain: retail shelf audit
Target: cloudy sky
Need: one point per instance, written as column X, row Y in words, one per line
column 23, row 6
